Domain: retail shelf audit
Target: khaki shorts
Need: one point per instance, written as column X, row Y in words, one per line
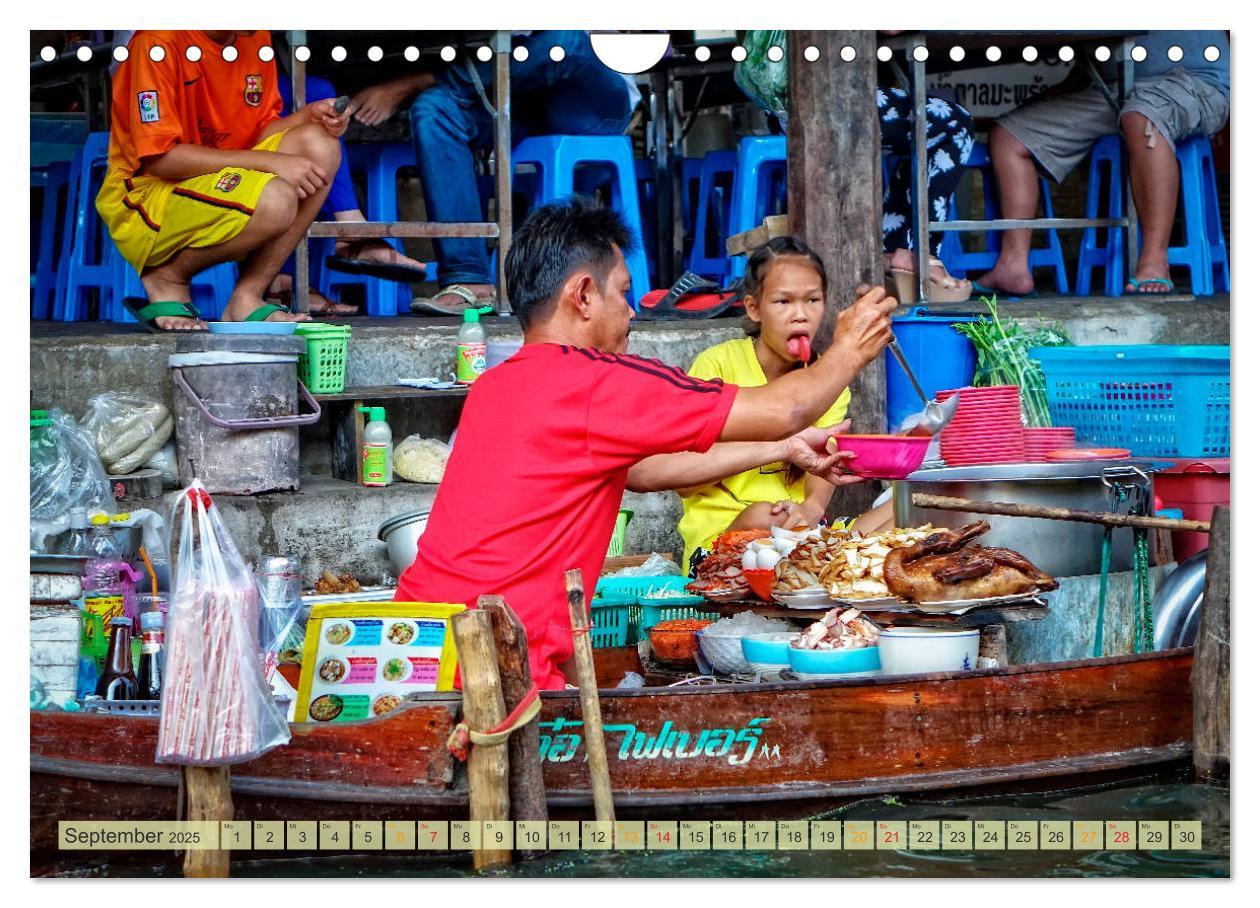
column 1060, row 132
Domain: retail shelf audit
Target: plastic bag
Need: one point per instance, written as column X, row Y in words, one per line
column 126, row 429
column 655, row 566
column 65, row 471
column 420, row 459
column 763, row 80
column 217, row 708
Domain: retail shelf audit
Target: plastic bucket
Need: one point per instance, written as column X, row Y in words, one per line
column 940, row 357
column 1195, row 487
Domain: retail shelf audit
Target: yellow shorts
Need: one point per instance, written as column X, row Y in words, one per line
column 152, row 219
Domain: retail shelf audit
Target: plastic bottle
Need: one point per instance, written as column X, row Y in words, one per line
column 377, row 456
column 101, row 540
column 470, row 357
column 79, row 541
column 107, row 580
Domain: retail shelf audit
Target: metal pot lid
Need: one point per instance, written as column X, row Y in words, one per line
column 1031, row 472
column 399, row 520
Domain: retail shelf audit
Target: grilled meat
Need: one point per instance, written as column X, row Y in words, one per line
column 945, row 566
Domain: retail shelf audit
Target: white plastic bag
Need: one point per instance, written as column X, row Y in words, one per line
column 216, row 706
column 420, row 459
column 65, row 471
column 127, row 429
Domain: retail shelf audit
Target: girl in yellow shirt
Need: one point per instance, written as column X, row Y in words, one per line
column 785, row 286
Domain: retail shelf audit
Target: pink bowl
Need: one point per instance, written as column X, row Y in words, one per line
column 883, row 456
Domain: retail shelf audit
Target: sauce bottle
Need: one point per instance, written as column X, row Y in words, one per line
column 118, row 680
column 470, row 356
column 152, row 655
column 377, row 457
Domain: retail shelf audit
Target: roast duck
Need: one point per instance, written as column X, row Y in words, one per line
column 946, row 566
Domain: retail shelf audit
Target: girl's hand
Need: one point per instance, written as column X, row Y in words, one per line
column 792, row 514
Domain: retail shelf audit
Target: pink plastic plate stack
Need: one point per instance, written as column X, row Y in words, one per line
column 986, row 429
column 1040, row 442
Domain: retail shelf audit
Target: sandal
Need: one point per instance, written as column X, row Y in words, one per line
column 1138, row 285
column 691, row 296
column 147, row 313
column 266, row 309
column 903, row 285
column 386, row 271
column 429, row 305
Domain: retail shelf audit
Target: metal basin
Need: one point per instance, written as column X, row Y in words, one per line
column 1060, row 548
column 401, row 534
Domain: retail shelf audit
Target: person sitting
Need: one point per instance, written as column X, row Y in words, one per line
column 451, row 120
column 785, row 287
column 203, row 169
column 1170, row 101
column 567, row 418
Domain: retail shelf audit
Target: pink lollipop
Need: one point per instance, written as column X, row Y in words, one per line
column 798, row 346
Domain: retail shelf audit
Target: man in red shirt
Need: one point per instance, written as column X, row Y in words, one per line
column 547, row 438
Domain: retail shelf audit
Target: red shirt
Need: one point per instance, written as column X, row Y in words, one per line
column 536, row 477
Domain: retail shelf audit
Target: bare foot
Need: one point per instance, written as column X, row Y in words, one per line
column 162, row 290
column 1006, row 279
column 240, row 307
column 374, row 251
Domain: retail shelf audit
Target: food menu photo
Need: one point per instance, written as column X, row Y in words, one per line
column 799, row 450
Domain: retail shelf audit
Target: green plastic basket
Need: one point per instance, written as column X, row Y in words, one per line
column 651, row 615
column 322, row 368
column 610, row 624
column 617, row 545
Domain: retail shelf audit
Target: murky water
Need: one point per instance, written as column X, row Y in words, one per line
column 1168, row 796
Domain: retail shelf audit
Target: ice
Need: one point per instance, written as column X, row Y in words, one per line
column 746, row 623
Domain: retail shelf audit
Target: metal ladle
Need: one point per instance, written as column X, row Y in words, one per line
column 936, row 416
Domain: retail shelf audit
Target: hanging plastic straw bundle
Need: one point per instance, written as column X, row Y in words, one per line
column 216, row 707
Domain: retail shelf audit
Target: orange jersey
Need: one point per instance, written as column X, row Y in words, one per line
column 158, row 104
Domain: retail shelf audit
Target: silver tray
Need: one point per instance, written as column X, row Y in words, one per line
column 805, row 599
column 958, row 606
column 876, row 604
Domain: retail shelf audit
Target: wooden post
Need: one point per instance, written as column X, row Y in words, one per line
column 593, row 726
column 835, row 196
column 528, row 793
column 503, row 159
column 209, row 793
column 483, row 710
column 1209, row 678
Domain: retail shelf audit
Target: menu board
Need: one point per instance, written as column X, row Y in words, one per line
column 361, row 660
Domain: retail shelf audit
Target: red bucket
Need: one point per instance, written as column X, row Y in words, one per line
column 1196, row 486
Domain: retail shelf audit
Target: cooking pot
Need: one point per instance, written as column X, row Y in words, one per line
column 401, row 534
column 1060, row 548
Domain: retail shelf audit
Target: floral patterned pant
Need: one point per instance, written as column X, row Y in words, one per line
column 950, row 135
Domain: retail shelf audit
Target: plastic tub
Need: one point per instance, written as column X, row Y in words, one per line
column 725, row 653
column 914, row 650
column 767, row 652
column 1157, row 400
column 834, row 663
column 1195, row 487
column 940, row 357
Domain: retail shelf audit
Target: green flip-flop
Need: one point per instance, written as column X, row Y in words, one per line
column 262, row 312
column 147, row 313
column 1138, row 285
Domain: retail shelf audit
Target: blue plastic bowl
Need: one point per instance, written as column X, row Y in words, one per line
column 768, row 649
column 833, row 661
column 253, row 327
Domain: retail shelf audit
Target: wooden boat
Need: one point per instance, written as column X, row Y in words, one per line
column 776, row 749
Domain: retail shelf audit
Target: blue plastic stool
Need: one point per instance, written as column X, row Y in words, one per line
column 380, row 164
column 692, row 169
column 760, row 187
column 88, row 265
column 51, row 228
column 713, row 216
column 1204, row 250
column 1109, row 255
column 645, row 179
column 558, row 157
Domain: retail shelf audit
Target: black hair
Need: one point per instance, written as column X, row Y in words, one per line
column 759, row 265
column 555, row 241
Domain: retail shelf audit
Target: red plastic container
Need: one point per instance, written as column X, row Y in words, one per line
column 1196, row 486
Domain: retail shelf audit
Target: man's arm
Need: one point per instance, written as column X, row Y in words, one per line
column 378, row 103
column 789, row 404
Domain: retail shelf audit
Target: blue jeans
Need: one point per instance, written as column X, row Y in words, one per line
column 341, row 196
column 577, row 96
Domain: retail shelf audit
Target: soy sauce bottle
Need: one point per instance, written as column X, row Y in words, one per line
column 152, row 655
column 118, row 680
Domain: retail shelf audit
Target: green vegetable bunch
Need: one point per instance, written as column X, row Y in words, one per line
column 1002, row 358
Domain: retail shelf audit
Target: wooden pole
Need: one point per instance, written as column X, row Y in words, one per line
column 528, row 793
column 503, row 159
column 1009, row 509
column 593, row 726
column 483, row 710
column 835, row 196
column 209, row 794
column 1209, row 678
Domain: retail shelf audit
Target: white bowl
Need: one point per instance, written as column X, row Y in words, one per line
column 725, row 652
column 913, row 650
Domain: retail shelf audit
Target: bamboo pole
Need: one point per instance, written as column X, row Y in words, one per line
column 1008, row 509
column 593, row 726
column 1209, row 679
column 528, row 793
column 209, row 793
column 483, row 710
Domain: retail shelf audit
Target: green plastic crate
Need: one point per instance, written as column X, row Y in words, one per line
column 610, row 624
column 651, row 615
column 322, row 368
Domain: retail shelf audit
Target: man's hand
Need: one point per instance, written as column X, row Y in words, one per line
column 808, row 450
column 324, row 113
column 304, row 175
column 378, row 103
column 865, row 327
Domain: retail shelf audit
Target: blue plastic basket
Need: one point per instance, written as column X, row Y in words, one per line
column 628, row 590
column 610, row 624
column 1155, row 400
column 652, row 615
